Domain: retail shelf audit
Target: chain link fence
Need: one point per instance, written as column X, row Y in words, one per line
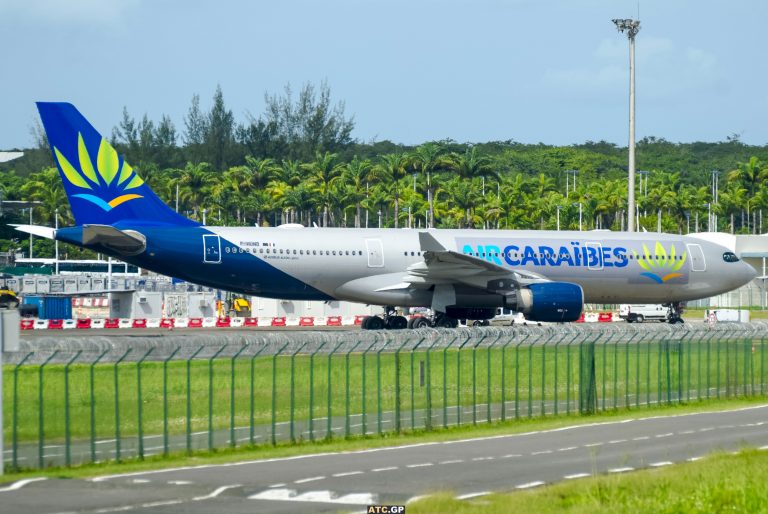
column 79, row 400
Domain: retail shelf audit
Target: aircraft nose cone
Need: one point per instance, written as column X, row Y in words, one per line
column 748, row 273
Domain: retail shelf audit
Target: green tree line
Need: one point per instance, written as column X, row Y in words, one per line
column 298, row 162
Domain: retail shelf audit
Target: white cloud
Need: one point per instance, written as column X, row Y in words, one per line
column 68, row 11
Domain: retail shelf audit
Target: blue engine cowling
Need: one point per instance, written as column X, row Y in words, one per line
column 555, row 301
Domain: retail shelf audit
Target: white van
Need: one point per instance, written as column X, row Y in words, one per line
column 643, row 312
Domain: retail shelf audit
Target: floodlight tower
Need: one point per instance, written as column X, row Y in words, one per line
column 631, row 27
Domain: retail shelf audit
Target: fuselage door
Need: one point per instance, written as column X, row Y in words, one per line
column 211, row 249
column 696, row 255
column 375, row 253
column 594, row 256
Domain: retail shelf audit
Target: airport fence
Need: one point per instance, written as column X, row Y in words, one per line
column 68, row 402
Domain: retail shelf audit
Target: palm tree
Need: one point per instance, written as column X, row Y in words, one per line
column 357, row 176
column 389, row 171
column 428, row 160
column 324, row 172
column 194, row 184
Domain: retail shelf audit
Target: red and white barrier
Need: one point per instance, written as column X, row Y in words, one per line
column 170, row 323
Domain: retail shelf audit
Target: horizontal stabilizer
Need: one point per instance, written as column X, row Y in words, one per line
column 124, row 242
column 36, row 230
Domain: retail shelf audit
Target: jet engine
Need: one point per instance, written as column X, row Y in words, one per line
column 551, row 301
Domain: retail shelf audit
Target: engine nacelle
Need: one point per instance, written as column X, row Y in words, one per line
column 551, row 301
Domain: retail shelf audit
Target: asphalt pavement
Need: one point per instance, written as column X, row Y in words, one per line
column 350, row 481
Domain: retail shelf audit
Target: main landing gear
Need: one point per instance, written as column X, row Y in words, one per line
column 675, row 314
column 392, row 321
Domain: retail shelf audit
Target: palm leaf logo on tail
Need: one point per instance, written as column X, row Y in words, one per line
column 103, row 181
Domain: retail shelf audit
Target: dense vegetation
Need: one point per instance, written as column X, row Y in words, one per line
column 299, row 163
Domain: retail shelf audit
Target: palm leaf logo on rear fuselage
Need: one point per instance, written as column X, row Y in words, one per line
column 105, row 180
column 661, row 266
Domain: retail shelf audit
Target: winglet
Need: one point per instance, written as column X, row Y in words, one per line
column 429, row 243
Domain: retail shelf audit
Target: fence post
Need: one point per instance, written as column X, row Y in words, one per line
column 312, row 390
column 637, row 371
column 346, row 389
column 458, row 381
column 15, row 427
column 488, row 377
column 474, row 379
column 718, row 365
column 67, row 439
column 378, row 386
column 762, row 366
column 140, row 406
column 293, row 389
column 587, row 386
column 530, row 380
column 397, row 385
column 274, row 393
column 165, row 398
column 93, row 403
column 189, row 398
column 329, row 426
column 428, row 421
column 232, row 438
column 413, row 386
column 544, row 375
column 117, row 405
column 210, row 395
column 41, row 422
column 375, row 340
column 517, row 376
column 251, row 412
column 626, row 370
column 560, row 340
column 445, row 381
column 504, row 376
column 568, row 377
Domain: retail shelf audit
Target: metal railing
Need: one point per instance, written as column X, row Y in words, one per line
column 87, row 400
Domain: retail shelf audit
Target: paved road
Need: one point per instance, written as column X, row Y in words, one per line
column 349, row 481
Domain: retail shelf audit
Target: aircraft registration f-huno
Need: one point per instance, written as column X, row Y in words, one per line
column 458, row 274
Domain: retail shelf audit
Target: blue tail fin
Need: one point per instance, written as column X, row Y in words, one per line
column 102, row 188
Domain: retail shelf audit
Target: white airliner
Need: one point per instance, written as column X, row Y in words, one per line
column 459, row 274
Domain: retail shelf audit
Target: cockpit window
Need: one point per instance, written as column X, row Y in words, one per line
column 730, row 257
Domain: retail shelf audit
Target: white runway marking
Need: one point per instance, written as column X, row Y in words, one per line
column 21, row 483
column 530, row 485
column 140, row 481
column 511, row 455
column 617, row 441
column 478, row 459
column 179, row 482
column 543, row 452
column 472, row 495
column 620, row 470
column 641, row 438
column 215, row 493
column 660, row 464
column 347, row 474
column 590, row 445
column 576, row 475
column 310, row 479
column 567, row 449
column 388, row 468
column 455, row 461
column 315, row 496
column 422, row 465
column 277, row 485
column 694, row 459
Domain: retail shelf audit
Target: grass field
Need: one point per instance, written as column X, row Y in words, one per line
column 717, row 484
column 532, row 380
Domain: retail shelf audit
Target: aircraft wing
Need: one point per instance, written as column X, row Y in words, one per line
column 443, row 266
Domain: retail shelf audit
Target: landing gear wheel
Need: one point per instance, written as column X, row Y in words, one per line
column 364, row 323
column 443, row 321
column 375, row 323
column 419, row 322
column 396, row 323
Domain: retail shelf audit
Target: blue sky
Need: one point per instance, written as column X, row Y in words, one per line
column 551, row 71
